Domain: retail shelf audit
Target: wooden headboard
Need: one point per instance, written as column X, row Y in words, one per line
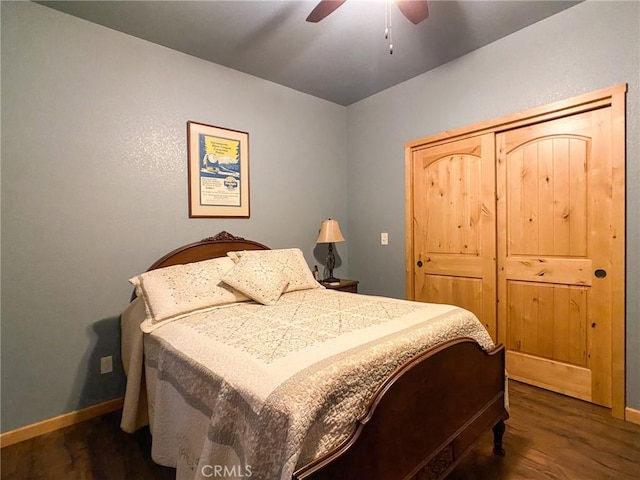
column 211, row 247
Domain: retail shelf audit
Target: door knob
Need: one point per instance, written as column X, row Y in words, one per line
column 599, row 273
column 419, row 263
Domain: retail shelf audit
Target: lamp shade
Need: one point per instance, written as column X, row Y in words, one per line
column 330, row 232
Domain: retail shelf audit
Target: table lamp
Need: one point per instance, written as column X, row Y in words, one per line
column 330, row 233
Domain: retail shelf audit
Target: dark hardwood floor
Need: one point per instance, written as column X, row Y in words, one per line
column 549, row 436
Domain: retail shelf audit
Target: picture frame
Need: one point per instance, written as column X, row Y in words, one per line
column 218, row 166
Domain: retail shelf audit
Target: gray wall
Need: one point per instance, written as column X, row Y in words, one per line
column 94, row 172
column 587, row 47
column 94, row 189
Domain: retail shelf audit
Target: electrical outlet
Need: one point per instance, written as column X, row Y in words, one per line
column 106, row 365
column 384, row 238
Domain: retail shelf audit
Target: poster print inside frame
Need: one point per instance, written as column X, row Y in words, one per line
column 218, row 161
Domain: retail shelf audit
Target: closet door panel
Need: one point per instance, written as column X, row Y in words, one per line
column 521, row 219
column 454, row 226
column 465, row 292
column 554, row 312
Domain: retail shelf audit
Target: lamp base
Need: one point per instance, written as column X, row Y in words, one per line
column 331, row 280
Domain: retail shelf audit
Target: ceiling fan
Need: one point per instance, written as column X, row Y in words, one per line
column 415, row 10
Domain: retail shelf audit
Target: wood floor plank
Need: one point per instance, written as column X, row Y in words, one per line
column 548, row 437
column 551, row 436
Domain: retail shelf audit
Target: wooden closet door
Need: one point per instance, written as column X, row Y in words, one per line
column 555, row 237
column 454, row 226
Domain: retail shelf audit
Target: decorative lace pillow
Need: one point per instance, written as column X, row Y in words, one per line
column 259, row 278
column 181, row 289
column 290, row 261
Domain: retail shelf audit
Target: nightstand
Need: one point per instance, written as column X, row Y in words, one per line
column 345, row 286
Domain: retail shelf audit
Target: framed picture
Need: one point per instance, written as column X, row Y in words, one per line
column 218, row 171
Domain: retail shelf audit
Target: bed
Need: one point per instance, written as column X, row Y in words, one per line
column 312, row 384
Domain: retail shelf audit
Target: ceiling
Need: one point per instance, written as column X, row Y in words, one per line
column 343, row 59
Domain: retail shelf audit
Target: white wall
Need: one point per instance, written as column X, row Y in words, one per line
column 94, row 189
column 587, row 47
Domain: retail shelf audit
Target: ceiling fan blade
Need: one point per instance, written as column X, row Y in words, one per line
column 415, row 10
column 324, row 8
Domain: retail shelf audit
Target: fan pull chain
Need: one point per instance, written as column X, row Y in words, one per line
column 386, row 20
column 387, row 25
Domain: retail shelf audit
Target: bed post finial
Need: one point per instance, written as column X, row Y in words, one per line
column 222, row 236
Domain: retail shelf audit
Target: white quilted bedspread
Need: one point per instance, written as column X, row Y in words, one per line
column 254, row 390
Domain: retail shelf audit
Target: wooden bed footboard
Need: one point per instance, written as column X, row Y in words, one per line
column 424, row 418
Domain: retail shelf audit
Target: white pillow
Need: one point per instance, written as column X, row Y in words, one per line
column 180, row 289
column 290, row 261
column 259, row 278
